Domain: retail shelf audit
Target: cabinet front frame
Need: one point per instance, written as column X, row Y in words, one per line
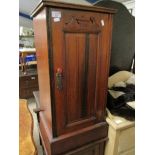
column 104, row 41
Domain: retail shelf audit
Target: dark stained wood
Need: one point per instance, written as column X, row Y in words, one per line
column 27, row 84
column 81, row 102
column 73, row 56
column 80, row 23
column 45, row 134
column 78, row 139
column 44, row 3
column 94, row 148
column 71, row 140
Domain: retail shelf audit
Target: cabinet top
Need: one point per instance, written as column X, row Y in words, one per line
column 57, row 4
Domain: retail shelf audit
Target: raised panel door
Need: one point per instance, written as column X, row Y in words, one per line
column 80, row 56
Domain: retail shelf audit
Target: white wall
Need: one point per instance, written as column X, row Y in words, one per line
column 28, row 23
column 83, row 2
column 130, row 5
column 25, row 22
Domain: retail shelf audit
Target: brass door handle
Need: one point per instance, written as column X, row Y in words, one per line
column 59, row 79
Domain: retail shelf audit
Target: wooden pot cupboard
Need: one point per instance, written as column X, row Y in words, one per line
column 73, row 51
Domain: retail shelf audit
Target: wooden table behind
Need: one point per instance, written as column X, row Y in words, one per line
column 26, row 143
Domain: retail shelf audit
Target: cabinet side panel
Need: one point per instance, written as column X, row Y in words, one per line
column 41, row 44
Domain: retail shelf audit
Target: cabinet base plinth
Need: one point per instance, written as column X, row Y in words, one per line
column 88, row 141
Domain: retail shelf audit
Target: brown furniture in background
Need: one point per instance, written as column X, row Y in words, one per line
column 73, row 45
column 27, row 84
column 28, row 77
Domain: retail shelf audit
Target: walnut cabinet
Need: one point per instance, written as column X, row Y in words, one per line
column 73, row 52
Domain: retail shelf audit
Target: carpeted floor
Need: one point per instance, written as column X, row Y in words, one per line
column 32, row 105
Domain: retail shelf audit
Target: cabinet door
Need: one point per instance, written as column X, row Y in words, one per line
column 80, row 60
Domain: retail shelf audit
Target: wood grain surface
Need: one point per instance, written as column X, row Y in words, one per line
column 73, row 53
column 26, row 142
